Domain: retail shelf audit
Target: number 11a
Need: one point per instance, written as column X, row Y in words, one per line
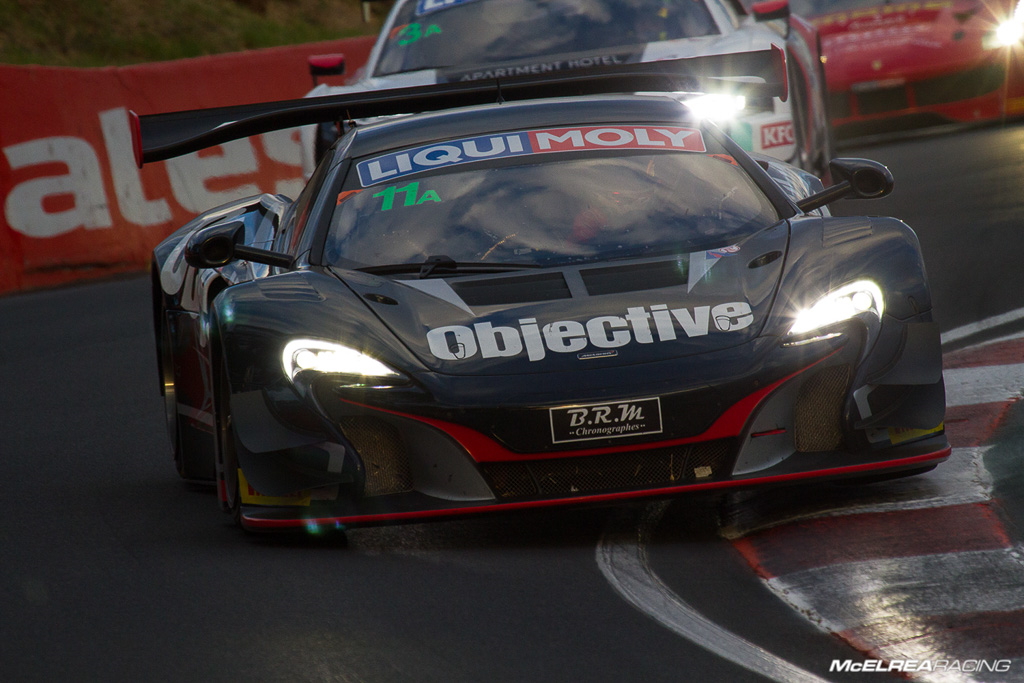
column 412, row 196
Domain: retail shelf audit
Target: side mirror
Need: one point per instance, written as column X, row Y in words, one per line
column 770, row 10
column 326, row 65
column 217, row 245
column 862, row 178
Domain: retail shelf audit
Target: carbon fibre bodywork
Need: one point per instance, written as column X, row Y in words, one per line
column 573, row 380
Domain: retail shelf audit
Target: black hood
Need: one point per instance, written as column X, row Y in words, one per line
column 583, row 316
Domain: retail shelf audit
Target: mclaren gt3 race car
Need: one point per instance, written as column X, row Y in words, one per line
column 539, row 301
column 449, row 41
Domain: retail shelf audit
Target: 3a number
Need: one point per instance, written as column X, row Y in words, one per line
column 412, row 33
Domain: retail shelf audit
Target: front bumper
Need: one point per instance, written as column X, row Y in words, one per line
column 781, row 416
column 413, row 506
column 971, row 95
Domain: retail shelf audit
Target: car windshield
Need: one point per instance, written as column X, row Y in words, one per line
column 437, row 34
column 814, row 8
column 542, row 209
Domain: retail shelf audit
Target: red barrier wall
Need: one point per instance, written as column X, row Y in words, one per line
column 74, row 203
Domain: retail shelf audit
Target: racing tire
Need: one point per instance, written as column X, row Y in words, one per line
column 229, row 493
column 190, row 466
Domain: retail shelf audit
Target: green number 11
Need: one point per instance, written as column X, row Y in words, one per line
column 411, row 193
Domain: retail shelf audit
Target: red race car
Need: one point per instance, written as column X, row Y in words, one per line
column 897, row 66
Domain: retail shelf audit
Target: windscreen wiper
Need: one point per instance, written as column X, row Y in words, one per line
column 444, row 265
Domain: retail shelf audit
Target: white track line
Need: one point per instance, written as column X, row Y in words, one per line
column 621, row 553
column 961, row 480
column 983, row 384
column 982, row 325
column 868, row 595
column 622, row 558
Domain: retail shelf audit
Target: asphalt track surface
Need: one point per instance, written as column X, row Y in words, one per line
column 114, row 570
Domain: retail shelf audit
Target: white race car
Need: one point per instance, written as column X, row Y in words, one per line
column 425, row 42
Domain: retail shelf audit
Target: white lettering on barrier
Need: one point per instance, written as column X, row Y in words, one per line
column 57, row 203
column 285, row 146
column 25, row 206
column 190, row 172
column 131, row 197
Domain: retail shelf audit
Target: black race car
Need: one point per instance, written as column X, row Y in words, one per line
column 539, row 301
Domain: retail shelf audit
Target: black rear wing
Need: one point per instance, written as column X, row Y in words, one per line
column 156, row 137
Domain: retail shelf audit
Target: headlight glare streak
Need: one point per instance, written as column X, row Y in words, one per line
column 1009, row 33
column 330, row 358
column 841, row 304
column 717, row 106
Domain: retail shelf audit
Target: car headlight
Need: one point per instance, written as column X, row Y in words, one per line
column 841, row 304
column 1009, row 32
column 717, row 107
column 325, row 357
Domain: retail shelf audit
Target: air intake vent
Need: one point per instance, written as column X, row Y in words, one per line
column 819, row 410
column 577, row 476
column 882, row 100
column 502, row 291
column 635, row 277
column 383, row 453
column 960, row 86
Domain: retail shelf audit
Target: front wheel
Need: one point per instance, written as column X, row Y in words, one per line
column 228, row 487
column 190, row 463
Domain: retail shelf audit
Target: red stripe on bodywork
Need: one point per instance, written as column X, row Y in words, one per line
column 483, row 448
column 269, row 524
column 797, row 546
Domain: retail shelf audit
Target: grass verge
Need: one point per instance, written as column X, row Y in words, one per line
column 88, row 33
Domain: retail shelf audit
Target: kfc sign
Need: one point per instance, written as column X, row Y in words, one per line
column 777, row 135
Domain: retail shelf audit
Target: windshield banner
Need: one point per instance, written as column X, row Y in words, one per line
column 396, row 165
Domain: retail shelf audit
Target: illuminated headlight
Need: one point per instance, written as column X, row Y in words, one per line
column 328, row 358
column 717, row 107
column 844, row 303
column 1010, row 32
